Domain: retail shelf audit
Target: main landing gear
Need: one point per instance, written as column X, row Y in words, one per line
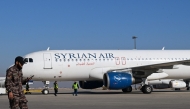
column 127, row 90
column 146, row 89
column 187, row 85
column 46, row 89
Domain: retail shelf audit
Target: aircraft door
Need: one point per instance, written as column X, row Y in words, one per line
column 47, row 61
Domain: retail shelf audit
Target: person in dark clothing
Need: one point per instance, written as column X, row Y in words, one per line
column 13, row 83
column 27, row 86
column 55, row 88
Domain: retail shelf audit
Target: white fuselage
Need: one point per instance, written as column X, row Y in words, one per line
column 78, row 65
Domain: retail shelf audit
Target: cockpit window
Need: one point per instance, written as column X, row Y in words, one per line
column 26, row 60
column 30, row 60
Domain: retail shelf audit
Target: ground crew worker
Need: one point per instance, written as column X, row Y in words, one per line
column 13, row 83
column 27, row 86
column 55, row 88
column 75, row 87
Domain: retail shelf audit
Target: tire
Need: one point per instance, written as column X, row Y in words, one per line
column 42, row 91
column 142, row 89
column 177, row 89
column 45, row 91
column 146, row 89
column 127, row 90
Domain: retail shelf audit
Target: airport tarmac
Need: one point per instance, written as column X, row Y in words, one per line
column 106, row 99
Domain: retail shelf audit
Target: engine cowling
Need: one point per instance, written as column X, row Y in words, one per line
column 177, row 84
column 90, row 84
column 117, row 80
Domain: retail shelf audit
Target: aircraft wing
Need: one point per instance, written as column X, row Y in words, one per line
column 155, row 67
column 167, row 65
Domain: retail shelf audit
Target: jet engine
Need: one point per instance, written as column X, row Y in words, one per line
column 119, row 80
column 170, row 84
column 90, row 84
column 177, row 84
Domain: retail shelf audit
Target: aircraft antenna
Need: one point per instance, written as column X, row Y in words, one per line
column 48, row 48
column 163, row 48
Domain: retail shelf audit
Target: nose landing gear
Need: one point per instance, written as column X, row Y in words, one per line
column 46, row 87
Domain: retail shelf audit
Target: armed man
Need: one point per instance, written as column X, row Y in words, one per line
column 13, row 83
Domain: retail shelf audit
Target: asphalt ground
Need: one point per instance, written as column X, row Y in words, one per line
column 106, row 99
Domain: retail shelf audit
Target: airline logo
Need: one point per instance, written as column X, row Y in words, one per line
column 82, row 55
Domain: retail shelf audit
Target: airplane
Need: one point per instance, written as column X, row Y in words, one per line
column 113, row 69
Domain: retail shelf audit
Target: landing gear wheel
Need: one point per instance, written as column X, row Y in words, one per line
column 178, row 89
column 187, row 84
column 45, row 91
column 128, row 89
column 146, row 89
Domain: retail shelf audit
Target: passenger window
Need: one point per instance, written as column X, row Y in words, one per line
column 26, row 60
column 30, row 60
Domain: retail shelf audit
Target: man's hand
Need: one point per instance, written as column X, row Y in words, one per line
column 10, row 95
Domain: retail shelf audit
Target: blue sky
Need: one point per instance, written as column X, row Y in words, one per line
column 28, row 26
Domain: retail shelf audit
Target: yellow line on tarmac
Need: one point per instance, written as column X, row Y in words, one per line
column 33, row 90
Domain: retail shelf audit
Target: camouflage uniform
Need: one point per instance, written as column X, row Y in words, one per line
column 13, row 83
